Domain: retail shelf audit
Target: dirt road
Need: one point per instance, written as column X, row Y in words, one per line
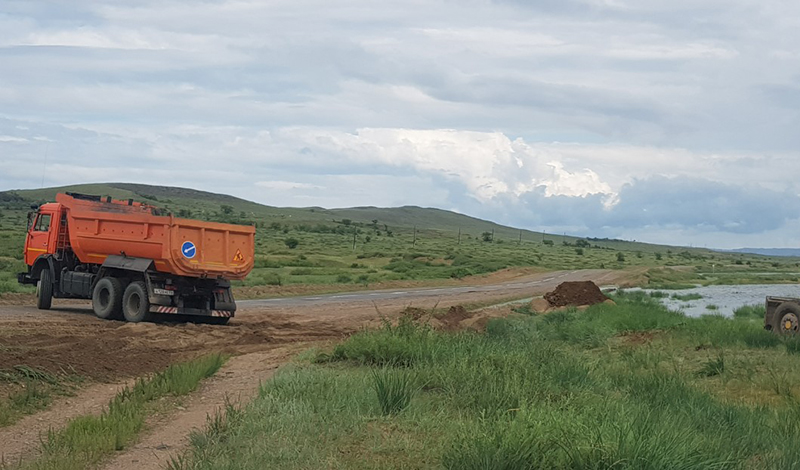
column 70, row 339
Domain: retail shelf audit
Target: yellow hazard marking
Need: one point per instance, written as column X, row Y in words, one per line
column 238, row 256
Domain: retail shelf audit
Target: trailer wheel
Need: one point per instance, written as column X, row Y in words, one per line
column 788, row 315
column 107, row 298
column 136, row 303
column 44, row 290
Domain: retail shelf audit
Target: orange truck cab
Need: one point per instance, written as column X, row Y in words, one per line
column 133, row 261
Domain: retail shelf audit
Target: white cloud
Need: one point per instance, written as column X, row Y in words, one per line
column 286, row 185
column 12, row 139
column 468, row 105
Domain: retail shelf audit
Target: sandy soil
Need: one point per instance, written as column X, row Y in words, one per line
column 70, row 339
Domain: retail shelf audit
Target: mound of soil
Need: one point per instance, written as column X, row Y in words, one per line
column 575, row 294
column 451, row 321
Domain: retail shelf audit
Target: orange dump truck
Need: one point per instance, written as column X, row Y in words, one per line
column 133, row 262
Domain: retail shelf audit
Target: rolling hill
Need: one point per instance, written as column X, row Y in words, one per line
column 207, row 205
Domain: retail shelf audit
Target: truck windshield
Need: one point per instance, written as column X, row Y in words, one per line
column 42, row 223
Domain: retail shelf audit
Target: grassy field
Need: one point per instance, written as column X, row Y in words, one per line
column 353, row 248
column 631, row 386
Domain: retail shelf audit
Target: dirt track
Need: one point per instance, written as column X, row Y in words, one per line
column 70, row 338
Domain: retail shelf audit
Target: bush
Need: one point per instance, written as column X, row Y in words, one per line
column 291, row 243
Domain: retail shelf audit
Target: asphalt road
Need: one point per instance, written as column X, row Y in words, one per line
column 509, row 288
column 527, row 286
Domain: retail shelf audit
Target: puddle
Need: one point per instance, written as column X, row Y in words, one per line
column 726, row 298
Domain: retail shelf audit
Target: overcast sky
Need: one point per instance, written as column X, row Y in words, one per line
column 664, row 121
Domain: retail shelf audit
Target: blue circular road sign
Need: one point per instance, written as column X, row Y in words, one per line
column 188, row 249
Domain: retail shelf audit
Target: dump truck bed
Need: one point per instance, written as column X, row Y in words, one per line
column 100, row 228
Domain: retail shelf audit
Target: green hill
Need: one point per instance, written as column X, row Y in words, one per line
column 367, row 245
column 206, row 205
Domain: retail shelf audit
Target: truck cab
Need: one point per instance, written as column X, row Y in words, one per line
column 40, row 238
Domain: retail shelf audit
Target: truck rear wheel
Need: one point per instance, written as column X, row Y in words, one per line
column 107, row 299
column 136, row 303
column 44, row 290
column 788, row 316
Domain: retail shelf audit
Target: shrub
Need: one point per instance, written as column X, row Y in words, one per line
column 291, row 243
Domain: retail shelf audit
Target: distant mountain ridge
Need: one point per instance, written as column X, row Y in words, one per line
column 786, row 252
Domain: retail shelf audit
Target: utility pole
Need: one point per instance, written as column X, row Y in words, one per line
column 414, row 243
column 520, row 237
column 459, row 235
column 354, row 239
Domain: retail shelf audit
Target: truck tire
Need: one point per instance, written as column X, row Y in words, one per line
column 44, row 290
column 788, row 318
column 107, row 299
column 136, row 303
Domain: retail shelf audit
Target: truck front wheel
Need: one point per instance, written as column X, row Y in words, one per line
column 135, row 303
column 788, row 316
column 44, row 290
column 107, row 298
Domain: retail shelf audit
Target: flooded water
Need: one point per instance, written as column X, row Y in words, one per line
column 726, row 298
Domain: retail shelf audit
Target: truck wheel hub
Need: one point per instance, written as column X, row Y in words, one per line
column 789, row 322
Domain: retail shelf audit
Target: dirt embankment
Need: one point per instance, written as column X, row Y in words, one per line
column 77, row 343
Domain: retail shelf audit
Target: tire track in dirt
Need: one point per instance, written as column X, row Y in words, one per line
column 168, row 436
column 22, row 439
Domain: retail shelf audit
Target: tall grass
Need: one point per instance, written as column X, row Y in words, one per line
column 631, row 386
column 394, row 389
column 31, row 390
column 87, row 439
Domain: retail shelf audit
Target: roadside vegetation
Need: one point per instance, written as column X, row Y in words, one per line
column 626, row 386
column 347, row 249
column 86, row 440
column 25, row 390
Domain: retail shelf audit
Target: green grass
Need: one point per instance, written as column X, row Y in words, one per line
column 31, row 390
column 387, row 250
column 631, row 386
column 394, row 389
column 86, row 440
column 686, row 297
